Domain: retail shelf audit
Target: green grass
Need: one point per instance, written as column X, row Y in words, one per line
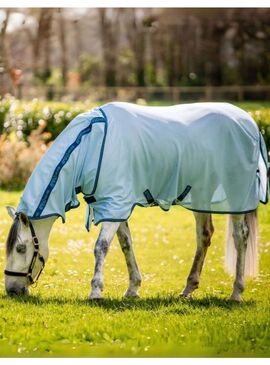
column 58, row 320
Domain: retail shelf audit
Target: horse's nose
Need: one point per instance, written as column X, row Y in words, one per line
column 17, row 290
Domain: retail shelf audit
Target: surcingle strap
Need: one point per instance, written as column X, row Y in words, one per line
column 89, row 217
column 89, row 211
column 149, row 197
column 90, row 199
column 184, row 194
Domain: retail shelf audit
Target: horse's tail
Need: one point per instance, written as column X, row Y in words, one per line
column 251, row 262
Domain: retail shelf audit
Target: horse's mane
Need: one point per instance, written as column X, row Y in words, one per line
column 12, row 236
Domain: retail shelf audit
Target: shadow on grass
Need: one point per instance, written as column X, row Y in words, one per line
column 170, row 303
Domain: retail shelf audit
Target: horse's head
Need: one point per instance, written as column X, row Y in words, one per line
column 26, row 254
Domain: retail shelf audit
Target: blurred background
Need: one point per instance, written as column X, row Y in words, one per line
column 154, row 54
column 58, row 62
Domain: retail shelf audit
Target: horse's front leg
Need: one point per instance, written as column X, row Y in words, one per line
column 125, row 241
column 107, row 232
column 204, row 232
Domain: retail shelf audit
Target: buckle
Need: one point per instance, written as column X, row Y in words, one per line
column 35, row 240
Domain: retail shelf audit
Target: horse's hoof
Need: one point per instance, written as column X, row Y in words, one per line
column 96, row 297
column 236, row 298
column 128, row 295
column 185, row 296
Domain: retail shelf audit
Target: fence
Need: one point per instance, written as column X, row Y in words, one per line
column 165, row 94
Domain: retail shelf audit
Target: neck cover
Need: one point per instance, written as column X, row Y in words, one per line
column 207, row 157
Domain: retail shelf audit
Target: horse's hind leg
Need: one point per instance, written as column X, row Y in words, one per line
column 105, row 238
column 240, row 235
column 204, row 232
column 125, row 241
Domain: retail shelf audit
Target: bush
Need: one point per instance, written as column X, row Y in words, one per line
column 28, row 128
column 24, row 117
column 5, row 105
column 262, row 118
column 18, row 158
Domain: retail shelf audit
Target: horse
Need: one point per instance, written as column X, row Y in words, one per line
column 207, row 157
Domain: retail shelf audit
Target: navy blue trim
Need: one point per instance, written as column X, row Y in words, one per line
column 55, row 214
column 121, row 220
column 266, row 165
column 146, row 206
column 219, row 212
column 103, row 113
column 105, row 120
column 266, row 162
column 69, row 206
column 47, row 216
column 65, row 159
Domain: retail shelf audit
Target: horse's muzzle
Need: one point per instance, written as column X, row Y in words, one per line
column 17, row 290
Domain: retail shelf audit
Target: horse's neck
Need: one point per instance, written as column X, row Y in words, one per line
column 43, row 228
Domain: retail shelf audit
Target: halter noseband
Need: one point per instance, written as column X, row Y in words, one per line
column 36, row 255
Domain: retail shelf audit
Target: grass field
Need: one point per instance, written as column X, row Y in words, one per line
column 58, row 320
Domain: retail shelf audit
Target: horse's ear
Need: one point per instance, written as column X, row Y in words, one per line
column 24, row 219
column 11, row 211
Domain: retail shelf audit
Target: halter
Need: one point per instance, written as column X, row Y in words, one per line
column 36, row 255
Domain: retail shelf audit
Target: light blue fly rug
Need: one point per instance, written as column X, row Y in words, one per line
column 207, row 157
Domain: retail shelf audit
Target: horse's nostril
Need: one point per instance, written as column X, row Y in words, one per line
column 17, row 291
column 12, row 292
column 25, row 290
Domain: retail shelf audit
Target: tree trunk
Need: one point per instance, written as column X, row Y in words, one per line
column 4, row 56
column 62, row 36
column 109, row 42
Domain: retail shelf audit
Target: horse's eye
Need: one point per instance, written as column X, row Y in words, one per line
column 21, row 248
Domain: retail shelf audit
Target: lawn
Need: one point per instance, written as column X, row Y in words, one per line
column 58, row 320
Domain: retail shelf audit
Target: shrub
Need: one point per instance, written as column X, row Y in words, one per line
column 262, row 118
column 24, row 117
column 5, row 105
column 28, row 127
column 18, row 158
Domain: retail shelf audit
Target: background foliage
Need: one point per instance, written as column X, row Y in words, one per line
column 134, row 47
column 27, row 129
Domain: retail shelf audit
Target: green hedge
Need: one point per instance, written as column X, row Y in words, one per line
column 23, row 117
column 262, row 118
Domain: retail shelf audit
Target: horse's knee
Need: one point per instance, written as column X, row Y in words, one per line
column 101, row 247
column 207, row 232
column 240, row 233
column 207, row 235
column 124, row 240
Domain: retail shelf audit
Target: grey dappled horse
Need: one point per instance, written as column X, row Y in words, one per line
column 212, row 154
column 242, row 232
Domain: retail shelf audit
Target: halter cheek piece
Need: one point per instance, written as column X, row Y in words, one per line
column 36, row 255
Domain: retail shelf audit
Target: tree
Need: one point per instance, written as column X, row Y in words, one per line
column 109, row 34
column 39, row 37
column 4, row 53
column 62, row 38
column 135, row 30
